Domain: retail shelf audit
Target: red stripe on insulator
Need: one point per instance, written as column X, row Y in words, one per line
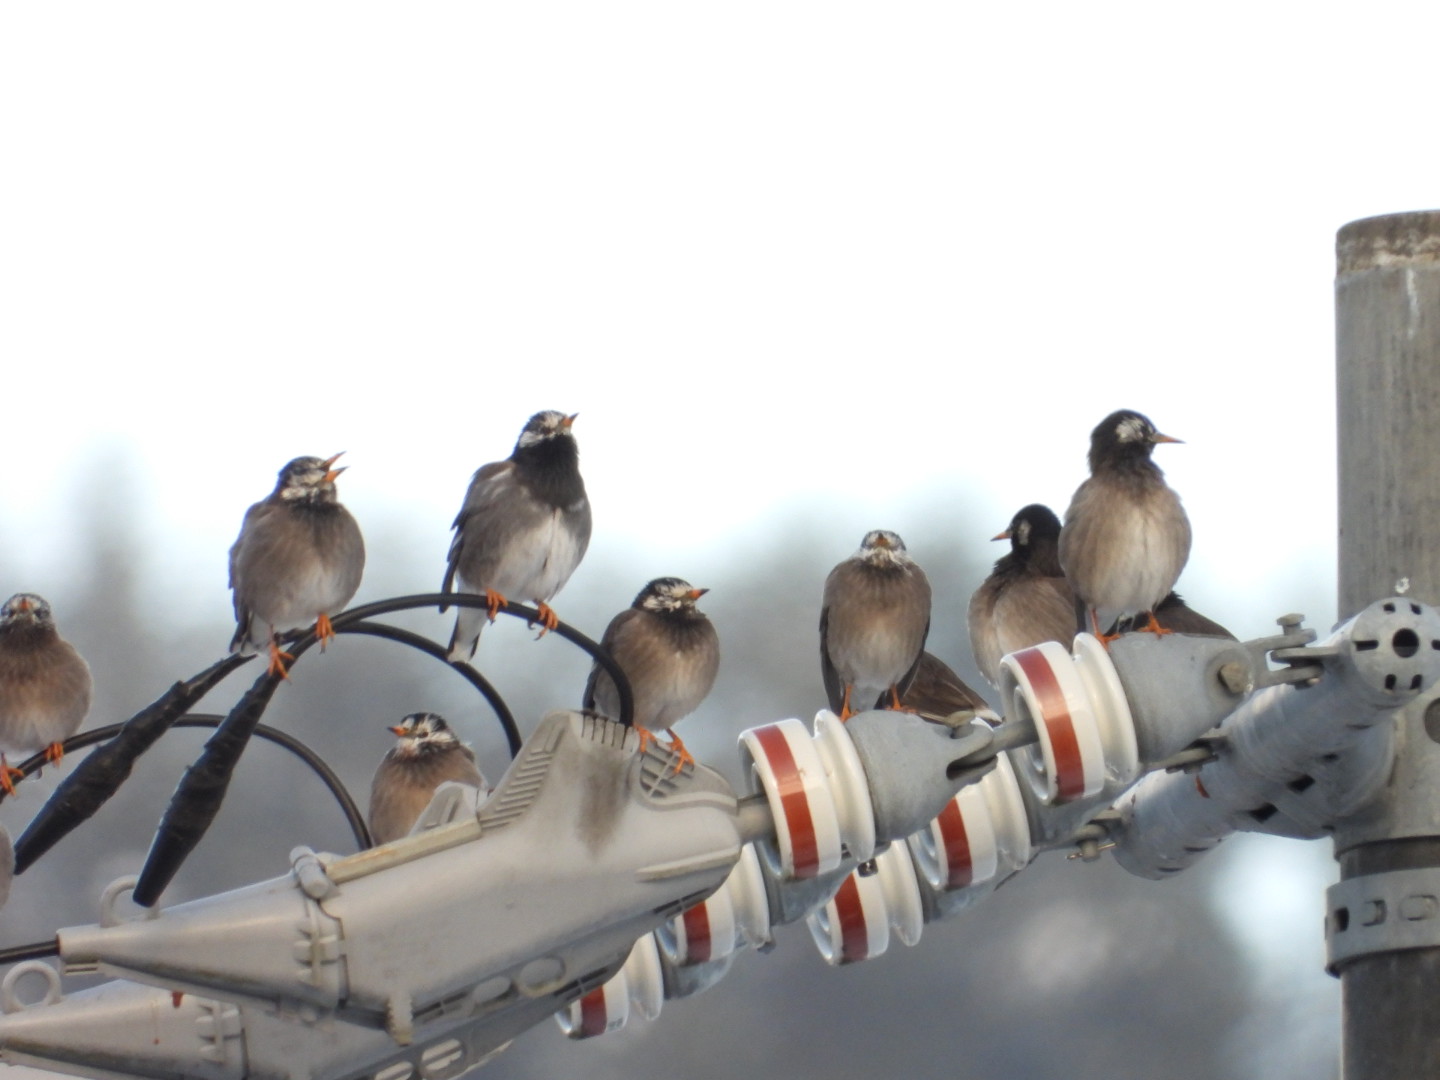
column 592, row 1013
column 1055, row 715
column 854, row 939
column 957, row 846
column 794, row 803
column 697, row 934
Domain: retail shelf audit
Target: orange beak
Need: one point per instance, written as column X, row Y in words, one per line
column 397, row 729
column 1158, row 438
column 695, row 594
column 1001, row 536
column 333, row 473
column 569, row 420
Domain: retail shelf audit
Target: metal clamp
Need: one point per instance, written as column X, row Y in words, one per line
column 1381, row 913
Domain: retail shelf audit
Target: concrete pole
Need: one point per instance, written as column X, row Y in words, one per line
column 1387, row 295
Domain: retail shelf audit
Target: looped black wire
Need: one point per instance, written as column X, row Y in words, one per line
column 475, row 679
column 202, row 789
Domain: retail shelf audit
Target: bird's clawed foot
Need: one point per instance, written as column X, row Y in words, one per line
column 1100, row 635
column 324, row 632
column 1152, row 625
column 8, row 775
column 683, row 756
column 845, row 711
column 278, row 656
column 547, row 618
column 54, row 753
column 494, row 601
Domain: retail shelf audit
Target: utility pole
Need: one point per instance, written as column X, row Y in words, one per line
column 1387, row 298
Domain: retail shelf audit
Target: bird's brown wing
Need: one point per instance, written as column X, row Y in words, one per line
column 484, row 491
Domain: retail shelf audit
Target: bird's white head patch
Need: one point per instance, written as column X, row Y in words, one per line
column 421, row 733
column 1134, row 428
column 668, row 594
column 545, row 425
column 25, row 606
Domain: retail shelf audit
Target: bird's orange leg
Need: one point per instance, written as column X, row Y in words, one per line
column 1100, row 635
column 54, row 753
column 494, row 601
column 683, row 756
column 8, row 776
column 845, row 712
column 548, row 619
column 278, row 656
column 1152, row 625
column 324, row 632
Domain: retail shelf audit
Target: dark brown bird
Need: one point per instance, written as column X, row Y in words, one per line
column 874, row 618
column 670, row 654
column 1026, row 599
column 298, row 560
column 936, row 692
column 44, row 684
column 1126, row 537
column 1178, row 617
column 426, row 755
column 522, row 530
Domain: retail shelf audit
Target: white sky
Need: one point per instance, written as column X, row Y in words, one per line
column 765, row 250
column 768, row 251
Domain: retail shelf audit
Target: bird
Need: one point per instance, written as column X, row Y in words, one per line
column 298, row 559
column 1178, row 617
column 44, row 684
column 1026, row 599
column 669, row 652
column 1126, row 536
column 522, row 530
column 874, row 617
column 426, row 754
column 936, row 692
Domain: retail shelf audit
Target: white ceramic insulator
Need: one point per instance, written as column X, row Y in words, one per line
column 704, row 932
column 1042, row 682
column 640, row 983
column 787, row 767
column 982, row 833
column 645, row 977
column 746, row 885
column 856, row 922
column 602, row 1010
column 848, row 786
column 1112, row 711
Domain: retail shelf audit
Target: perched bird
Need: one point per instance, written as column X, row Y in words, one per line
column 936, row 692
column 874, row 617
column 522, row 530
column 669, row 652
column 426, row 755
column 1126, row 536
column 298, row 558
column 44, row 684
column 1178, row 617
column 1026, row 599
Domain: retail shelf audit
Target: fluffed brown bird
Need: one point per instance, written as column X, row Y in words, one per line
column 1126, row 537
column 670, row 654
column 298, row 560
column 44, row 684
column 1026, row 599
column 426, row 754
column 874, row 618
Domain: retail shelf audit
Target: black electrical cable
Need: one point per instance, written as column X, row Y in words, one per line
column 202, row 789
column 36, row 951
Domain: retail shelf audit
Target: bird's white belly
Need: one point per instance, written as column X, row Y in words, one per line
column 537, row 566
column 305, row 594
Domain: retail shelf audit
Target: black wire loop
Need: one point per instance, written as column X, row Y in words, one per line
column 201, row 791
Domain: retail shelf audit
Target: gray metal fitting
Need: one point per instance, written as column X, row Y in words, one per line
column 1381, row 913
